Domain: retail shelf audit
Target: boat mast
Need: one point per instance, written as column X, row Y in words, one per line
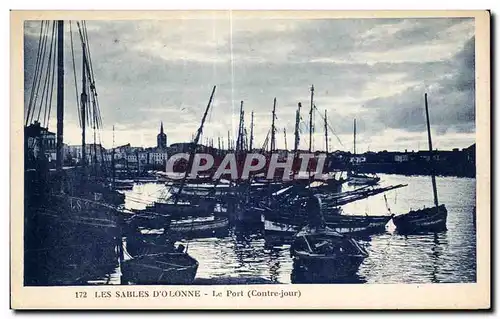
column 251, row 134
column 273, row 137
column 433, row 177
column 113, row 161
column 239, row 141
column 326, row 134
column 83, row 103
column 297, row 123
column 284, row 132
column 60, row 94
column 354, row 136
column 311, row 119
column 194, row 145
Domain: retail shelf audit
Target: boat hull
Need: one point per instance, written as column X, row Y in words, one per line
column 200, row 229
column 334, row 268
column 422, row 221
column 67, row 239
column 166, row 269
column 344, row 224
column 363, row 180
column 321, row 253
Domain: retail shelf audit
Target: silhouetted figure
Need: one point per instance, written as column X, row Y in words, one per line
column 314, row 213
column 180, row 248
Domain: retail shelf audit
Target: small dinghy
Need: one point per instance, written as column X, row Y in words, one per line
column 325, row 250
column 170, row 268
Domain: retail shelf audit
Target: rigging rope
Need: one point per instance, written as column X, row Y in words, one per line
column 328, row 124
column 74, row 73
column 45, row 92
column 41, row 68
column 35, row 75
column 51, row 86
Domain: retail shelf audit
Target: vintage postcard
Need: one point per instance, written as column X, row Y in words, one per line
column 250, row 160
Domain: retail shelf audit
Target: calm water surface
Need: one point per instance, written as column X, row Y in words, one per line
column 445, row 257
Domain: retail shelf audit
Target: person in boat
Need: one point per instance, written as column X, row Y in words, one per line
column 314, row 213
column 180, row 248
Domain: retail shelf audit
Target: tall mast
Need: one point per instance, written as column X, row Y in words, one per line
column 251, row 134
column 113, row 160
column 95, row 147
column 311, row 119
column 83, row 103
column 297, row 124
column 273, row 138
column 239, row 141
column 60, row 94
column 354, row 136
column 284, row 132
column 194, row 145
column 245, row 140
column 433, row 177
column 326, row 133
column 228, row 141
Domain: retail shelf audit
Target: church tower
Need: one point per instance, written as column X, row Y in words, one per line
column 161, row 139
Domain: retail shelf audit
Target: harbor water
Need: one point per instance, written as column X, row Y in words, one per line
column 245, row 256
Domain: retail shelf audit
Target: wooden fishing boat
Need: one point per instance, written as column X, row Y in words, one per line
column 203, row 189
column 199, row 227
column 422, row 220
column 320, row 250
column 171, row 268
column 431, row 219
column 353, row 225
column 354, row 178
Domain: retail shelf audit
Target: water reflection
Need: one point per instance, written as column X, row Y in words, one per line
column 245, row 256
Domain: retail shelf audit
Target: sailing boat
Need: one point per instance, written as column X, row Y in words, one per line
column 356, row 178
column 431, row 219
column 70, row 227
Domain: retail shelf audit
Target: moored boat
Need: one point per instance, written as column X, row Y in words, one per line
column 362, row 179
column 199, row 227
column 170, row 268
column 319, row 250
column 431, row 219
column 353, row 225
column 422, row 220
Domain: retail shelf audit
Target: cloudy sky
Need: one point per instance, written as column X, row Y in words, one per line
column 374, row 70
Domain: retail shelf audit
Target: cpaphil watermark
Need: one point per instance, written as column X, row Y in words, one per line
column 242, row 169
